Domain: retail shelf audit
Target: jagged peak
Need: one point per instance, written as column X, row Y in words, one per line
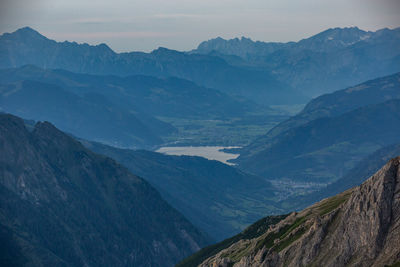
column 27, row 29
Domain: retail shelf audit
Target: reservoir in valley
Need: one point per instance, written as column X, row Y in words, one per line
column 208, row 152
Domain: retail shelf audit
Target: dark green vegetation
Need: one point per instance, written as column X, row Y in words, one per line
column 209, row 193
column 332, row 134
column 397, row 264
column 280, row 239
column 253, row 231
column 269, row 240
column 63, row 205
column 276, row 241
column 333, row 59
column 332, row 203
column 233, row 131
column 27, row 46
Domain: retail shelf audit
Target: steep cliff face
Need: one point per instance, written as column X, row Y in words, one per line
column 63, row 205
column 359, row 227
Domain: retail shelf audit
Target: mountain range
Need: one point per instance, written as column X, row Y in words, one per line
column 121, row 111
column 267, row 73
column 330, row 60
column 330, row 135
column 327, row 41
column 26, row 46
column 85, row 196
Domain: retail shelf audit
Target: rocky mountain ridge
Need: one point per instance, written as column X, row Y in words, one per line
column 330, row 39
column 322, row 63
column 359, row 227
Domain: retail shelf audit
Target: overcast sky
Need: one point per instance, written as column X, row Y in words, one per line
column 127, row 25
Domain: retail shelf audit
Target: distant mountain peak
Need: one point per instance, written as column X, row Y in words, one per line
column 27, row 29
column 105, row 48
column 165, row 51
column 27, row 32
column 340, row 33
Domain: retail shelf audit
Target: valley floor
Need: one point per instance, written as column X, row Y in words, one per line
column 220, row 132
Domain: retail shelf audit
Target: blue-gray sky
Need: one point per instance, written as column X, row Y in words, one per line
column 127, row 25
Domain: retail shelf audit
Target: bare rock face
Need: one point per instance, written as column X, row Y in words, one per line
column 359, row 227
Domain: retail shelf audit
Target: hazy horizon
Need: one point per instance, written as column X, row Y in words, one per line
column 155, row 48
column 182, row 25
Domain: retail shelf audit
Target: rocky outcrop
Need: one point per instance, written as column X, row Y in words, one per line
column 359, row 227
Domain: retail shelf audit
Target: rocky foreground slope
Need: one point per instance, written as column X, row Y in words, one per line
column 359, row 227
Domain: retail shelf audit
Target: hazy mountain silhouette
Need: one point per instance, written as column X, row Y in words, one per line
column 322, row 63
column 90, row 116
column 166, row 97
column 26, row 46
column 330, row 135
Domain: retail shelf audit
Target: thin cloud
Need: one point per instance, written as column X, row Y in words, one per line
column 109, row 35
column 178, row 16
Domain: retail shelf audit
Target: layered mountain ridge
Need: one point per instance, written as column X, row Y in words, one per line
column 331, row 134
column 219, row 203
column 120, row 111
column 26, row 46
column 328, row 40
column 359, row 227
column 330, row 60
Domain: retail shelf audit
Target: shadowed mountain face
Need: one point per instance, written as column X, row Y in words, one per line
column 325, row 62
column 216, row 198
column 359, row 227
column 89, row 116
column 120, row 111
column 331, row 105
column 324, row 149
column 169, row 97
column 63, row 205
column 27, row 46
column 330, row 135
